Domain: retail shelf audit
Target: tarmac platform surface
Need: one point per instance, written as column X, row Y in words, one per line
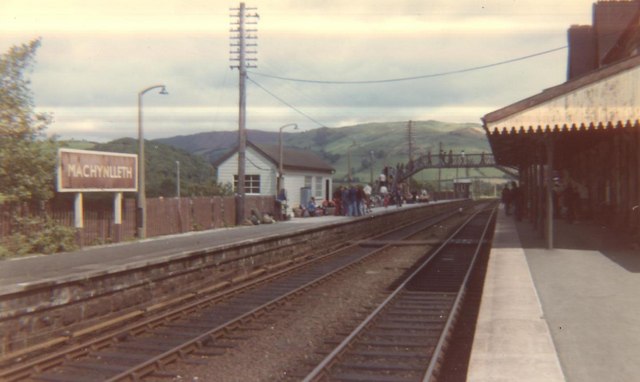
column 567, row 314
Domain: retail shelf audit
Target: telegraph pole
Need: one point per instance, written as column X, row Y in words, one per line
column 440, row 155
column 242, row 34
column 410, row 139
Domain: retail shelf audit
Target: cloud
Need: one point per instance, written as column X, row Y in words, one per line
column 96, row 56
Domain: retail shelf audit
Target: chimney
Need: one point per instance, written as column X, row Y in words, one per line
column 582, row 51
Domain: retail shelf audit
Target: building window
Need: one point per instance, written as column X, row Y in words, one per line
column 251, row 184
column 307, row 181
column 318, row 187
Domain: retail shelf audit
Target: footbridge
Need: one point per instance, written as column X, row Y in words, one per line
column 450, row 161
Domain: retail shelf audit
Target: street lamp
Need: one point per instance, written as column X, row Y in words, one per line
column 178, row 179
column 371, row 167
column 280, row 160
column 142, row 198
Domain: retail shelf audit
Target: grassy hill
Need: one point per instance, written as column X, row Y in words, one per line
column 388, row 141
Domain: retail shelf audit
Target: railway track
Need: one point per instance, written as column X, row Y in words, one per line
column 405, row 338
column 144, row 348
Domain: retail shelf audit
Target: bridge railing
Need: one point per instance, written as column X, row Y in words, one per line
column 451, row 161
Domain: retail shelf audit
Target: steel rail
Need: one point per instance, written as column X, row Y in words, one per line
column 321, row 370
column 439, row 350
column 156, row 363
column 27, row 369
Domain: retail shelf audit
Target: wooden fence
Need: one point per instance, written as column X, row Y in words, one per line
column 165, row 216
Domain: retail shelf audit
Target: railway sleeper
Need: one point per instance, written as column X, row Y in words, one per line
column 390, row 353
column 163, row 374
column 194, row 361
column 359, row 377
column 402, row 333
column 137, row 346
column 205, row 352
column 97, row 366
column 121, row 355
column 380, row 366
column 411, row 323
column 64, row 378
column 392, row 343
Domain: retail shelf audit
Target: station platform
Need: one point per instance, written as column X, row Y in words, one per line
column 19, row 273
column 567, row 314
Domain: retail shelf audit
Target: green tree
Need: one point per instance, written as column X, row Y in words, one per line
column 27, row 160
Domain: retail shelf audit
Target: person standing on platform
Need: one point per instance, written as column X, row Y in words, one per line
column 506, row 199
column 385, row 196
column 359, row 201
column 337, row 201
column 397, row 195
column 345, row 200
column 570, row 197
column 516, row 200
column 352, row 201
column 281, row 202
column 367, row 198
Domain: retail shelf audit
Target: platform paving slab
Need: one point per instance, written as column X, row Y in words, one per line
column 512, row 340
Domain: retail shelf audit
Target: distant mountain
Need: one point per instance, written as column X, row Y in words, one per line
column 389, row 143
column 216, row 143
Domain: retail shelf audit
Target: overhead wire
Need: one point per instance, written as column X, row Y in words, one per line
column 480, row 67
column 474, row 68
column 286, row 103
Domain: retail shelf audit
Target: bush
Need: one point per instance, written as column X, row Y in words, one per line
column 38, row 235
column 14, row 245
column 52, row 238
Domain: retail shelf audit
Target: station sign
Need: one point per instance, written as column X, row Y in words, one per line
column 87, row 171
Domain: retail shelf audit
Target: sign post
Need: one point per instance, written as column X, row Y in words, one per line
column 97, row 171
column 117, row 217
column 78, row 218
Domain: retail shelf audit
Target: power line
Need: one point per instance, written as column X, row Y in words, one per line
column 286, row 103
column 413, row 77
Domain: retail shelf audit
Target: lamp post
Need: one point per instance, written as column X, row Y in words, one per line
column 280, row 159
column 142, row 198
column 178, row 179
column 371, row 168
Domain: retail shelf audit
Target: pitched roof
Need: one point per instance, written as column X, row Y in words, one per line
column 293, row 159
column 562, row 89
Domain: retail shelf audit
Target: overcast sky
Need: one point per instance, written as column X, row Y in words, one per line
column 97, row 55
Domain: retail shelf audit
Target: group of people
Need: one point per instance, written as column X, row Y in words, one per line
column 352, row 200
column 566, row 200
